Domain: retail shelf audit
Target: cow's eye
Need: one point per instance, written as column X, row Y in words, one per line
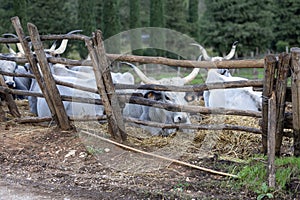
column 168, row 98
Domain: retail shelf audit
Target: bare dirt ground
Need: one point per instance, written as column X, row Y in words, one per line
column 52, row 164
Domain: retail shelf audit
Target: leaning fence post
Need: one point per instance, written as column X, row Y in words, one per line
column 31, row 59
column 295, row 65
column 54, row 95
column 270, row 65
column 281, row 85
column 105, row 86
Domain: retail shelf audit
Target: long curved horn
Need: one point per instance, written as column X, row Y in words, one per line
column 20, row 48
column 191, row 76
column 143, row 77
column 61, row 49
column 10, row 49
column 203, row 51
column 232, row 51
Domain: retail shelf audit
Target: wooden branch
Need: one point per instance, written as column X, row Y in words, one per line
column 185, row 108
column 229, row 64
column 25, row 120
column 160, row 157
column 17, row 74
column 193, row 88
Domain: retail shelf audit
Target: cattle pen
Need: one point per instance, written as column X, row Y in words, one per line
column 275, row 121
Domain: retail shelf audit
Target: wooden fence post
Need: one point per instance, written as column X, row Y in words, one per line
column 64, row 124
column 54, row 95
column 281, row 85
column 105, row 87
column 11, row 104
column 295, row 65
column 271, row 140
column 270, row 66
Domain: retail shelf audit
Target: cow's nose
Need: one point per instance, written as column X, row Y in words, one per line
column 10, row 84
column 178, row 118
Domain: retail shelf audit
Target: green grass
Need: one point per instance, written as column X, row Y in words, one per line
column 253, row 176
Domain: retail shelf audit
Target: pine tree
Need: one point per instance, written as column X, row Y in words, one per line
column 193, row 19
column 157, row 38
column 287, row 24
column 111, row 25
column 135, row 36
column 87, row 22
column 249, row 22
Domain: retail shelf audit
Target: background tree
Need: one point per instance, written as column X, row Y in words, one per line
column 111, row 25
column 157, row 20
column 20, row 10
column 135, row 37
column 287, row 24
column 87, row 22
column 249, row 22
column 49, row 17
column 193, row 19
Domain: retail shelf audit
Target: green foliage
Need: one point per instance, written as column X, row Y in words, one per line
column 87, row 22
column 253, row 176
column 111, row 24
column 135, row 38
column 264, row 192
column 287, row 20
column 249, row 22
column 281, row 46
column 157, row 10
column 193, row 19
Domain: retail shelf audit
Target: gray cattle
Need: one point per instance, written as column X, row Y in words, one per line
column 8, row 66
column 224, row 72
column 234, row 98
column 156, row 114
column 22, row 83
column 86, row 79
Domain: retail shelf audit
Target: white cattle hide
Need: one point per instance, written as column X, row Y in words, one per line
column 234, row 98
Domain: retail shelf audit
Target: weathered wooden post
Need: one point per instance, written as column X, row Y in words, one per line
column 2, row 113
column 55, row 98
column 281, row 85
column 295, row 65
column 105, row 86
column 49, row 92
column 11, row 104
column 270, row 66
column 271, row 140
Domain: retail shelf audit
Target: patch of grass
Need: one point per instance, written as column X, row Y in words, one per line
column 94, row 150
column 253, row 177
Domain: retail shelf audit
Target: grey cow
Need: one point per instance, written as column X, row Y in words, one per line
column 158, row 114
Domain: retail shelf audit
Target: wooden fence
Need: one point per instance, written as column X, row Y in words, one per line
column 275, row 82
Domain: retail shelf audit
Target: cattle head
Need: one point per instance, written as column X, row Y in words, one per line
column 162, row 115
